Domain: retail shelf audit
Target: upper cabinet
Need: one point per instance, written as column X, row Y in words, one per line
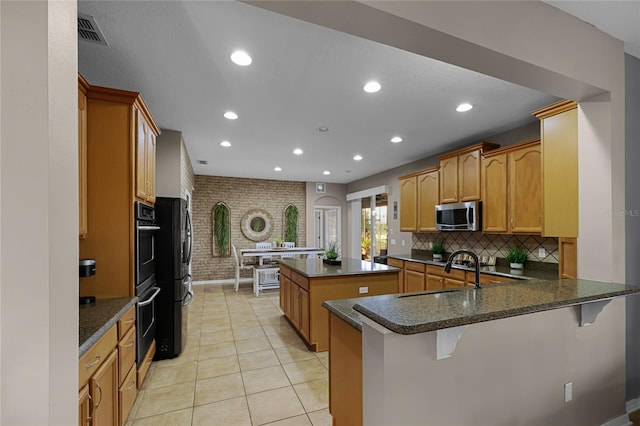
column 428, row 197
column 559, row 134
column 121, row 136
column 82, row 157
column 419, row 194
column 460, row 174
column 512, row 189
column 145, row 159
column 408, row 203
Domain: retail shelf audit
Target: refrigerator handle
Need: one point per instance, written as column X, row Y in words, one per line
column 189, row 240
column 189, row 296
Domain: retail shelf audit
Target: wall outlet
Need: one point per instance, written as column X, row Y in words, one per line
column 430, row 245
column 542, row 253
column 402, row 243
column 363, row 290
column 393, row 241
column 568, row 392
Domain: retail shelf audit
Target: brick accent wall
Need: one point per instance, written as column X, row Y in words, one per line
column 240, row 195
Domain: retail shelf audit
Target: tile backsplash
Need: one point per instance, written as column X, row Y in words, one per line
column 490, row 244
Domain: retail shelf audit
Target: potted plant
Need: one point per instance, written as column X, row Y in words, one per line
column 517, row 256
column 437, row 249
column 331, row 254
column 278, row 241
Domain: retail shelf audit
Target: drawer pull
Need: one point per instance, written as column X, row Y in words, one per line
column 130, row 343
column 495, row 282
column 94, row 362
column 129, row 320
column 132, row 384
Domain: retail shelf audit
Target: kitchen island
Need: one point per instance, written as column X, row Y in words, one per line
column 306, row 283
column 426, row 357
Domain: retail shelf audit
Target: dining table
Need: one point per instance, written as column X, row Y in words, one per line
column 280, row 251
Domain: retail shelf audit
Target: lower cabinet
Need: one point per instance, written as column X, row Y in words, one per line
column 84, row 406
column 414, row 277
column 103, row 387
column 391, row 261
column 107, row 376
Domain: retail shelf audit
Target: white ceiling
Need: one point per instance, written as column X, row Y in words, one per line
column 303, row 77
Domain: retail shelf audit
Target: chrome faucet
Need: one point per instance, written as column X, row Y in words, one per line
column 447, row 266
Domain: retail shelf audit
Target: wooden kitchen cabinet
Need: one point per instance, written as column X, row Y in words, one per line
column 408, row 203
column 145, row 159
column 114, row 118
column 434, row 282
column 428, row 197
column 84, row 406
column 512, row 189
column 559, row 135
column 414, row 276
column 460, row 174
column 392, row 261
column 487, row 279
column 103, row 387
column 83, row 226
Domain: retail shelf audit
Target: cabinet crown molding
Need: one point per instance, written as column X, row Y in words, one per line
column 482, row 147
column 553, row 109
column 511, row 147
column 429, row 170
column 125, row 97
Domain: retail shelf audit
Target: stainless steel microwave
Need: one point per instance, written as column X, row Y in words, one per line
column 459, row 216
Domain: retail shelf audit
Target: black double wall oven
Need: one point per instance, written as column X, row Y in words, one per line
column 147, row 290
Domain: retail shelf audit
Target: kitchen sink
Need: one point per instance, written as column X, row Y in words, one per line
column 424, row 293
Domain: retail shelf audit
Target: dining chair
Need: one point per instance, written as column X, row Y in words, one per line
column 239, row 264
column 265, row 246
column 289, row 245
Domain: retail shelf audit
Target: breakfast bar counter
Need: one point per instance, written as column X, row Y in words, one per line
column 533, row 345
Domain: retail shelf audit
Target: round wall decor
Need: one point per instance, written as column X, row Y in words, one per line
column 257, row 224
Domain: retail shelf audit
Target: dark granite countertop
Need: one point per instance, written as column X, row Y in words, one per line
column 96, row 319
column 532, row 270
column 314, row 267
column 412, row 313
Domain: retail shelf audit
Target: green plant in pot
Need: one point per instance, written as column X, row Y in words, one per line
column 278, row 241
column 331, row 253
column 517, row 256
column 437, row 249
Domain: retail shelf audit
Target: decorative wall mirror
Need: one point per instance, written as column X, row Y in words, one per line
column 257, row 225
column 290, row 225
column 221, row 230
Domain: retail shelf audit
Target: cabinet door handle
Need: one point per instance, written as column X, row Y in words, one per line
column 130, row 343
column 131, row 385
column 94, row 362
column 91, row 409
column 100, row 389
column 129, row 320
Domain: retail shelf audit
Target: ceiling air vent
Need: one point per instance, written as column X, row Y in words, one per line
column 88, row 30
column 203, row 162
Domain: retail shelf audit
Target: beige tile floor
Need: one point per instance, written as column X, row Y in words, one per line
column 243, row 365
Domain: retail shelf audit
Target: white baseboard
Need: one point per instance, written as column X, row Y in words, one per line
column 222, row 282
column 619, row 421
column 633, row 405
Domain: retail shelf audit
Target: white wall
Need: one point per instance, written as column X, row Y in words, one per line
column 38, row 213
column 335, row 195
column 504, row 372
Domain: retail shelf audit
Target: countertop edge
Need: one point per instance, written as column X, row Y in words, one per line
column 341, row 314
column 102, row 330
column 407, row 329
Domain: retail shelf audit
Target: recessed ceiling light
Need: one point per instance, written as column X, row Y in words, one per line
column 226, row 144
column 277, row 169
column 372, row 87
column 240, row 57
column 326, row 172
column 323, row 129
column 464, row 107
column 230, row 115
column 396, row 139
column 298, row 151
column 357, row 157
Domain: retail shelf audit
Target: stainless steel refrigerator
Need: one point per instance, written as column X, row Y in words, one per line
column 173, row 256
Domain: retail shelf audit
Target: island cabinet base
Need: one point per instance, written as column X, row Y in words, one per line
column 345, row 373
column 301, row 299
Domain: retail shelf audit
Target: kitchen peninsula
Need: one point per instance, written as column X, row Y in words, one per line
column 427, row 356
column 306, row 283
